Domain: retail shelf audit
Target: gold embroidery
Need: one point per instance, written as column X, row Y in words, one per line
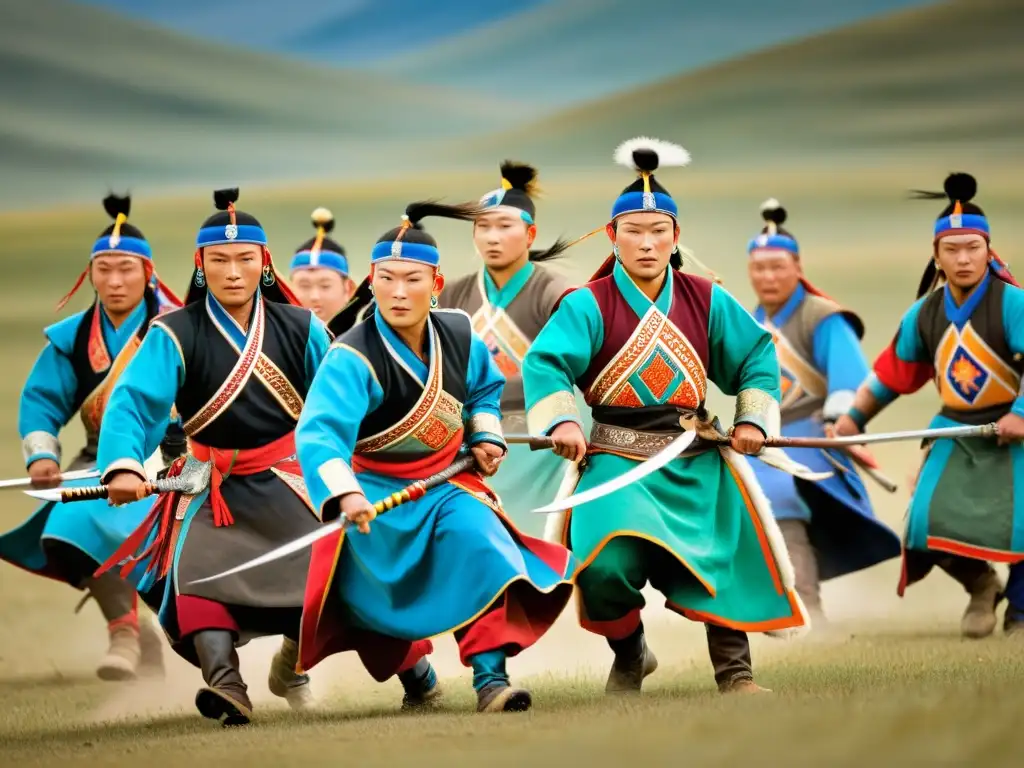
column 557, row 405
column 654, row 336
column 95, row 404
column 236, row 380
column 753, row 405
column 279, row 386
column 433, row 421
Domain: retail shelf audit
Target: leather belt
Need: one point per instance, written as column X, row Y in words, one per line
column 633, row 442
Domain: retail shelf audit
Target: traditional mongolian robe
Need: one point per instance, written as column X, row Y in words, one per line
column 967, row 500
column 508, row 320
column 821, row 365
column 84, row 357
column 699, row 529
column 239, row 393
column 378, row 418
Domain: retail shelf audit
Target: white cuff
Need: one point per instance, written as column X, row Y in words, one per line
column 838, row 404
column 39, row 445
column 124, row 465
column 337, row 476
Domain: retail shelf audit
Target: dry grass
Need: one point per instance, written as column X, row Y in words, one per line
column 895, row 686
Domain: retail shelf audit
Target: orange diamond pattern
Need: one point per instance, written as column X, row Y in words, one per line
column 685, row 396
column 434, row 434
column 658, row 375
column 627, row 398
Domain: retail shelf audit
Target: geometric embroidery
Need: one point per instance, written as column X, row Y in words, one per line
column 627, row 398
column 965, row 375
column 658, row 375
column 434, row 433
column 685, row 396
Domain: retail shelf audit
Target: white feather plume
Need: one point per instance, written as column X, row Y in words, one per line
column 668, row 153
column 771, row 204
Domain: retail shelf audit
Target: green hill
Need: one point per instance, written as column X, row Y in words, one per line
column 945, row 81
column 563, row 51
column 90, row 98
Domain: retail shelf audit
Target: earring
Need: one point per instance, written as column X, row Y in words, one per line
column 615, row 251
column 433, row 302
column 370, row 288
column 268, row 276
column 200, row 278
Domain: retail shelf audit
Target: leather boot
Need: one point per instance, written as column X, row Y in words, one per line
column 284, row 681
column 629, row 670
column 151, row 645
column 225, row 698
column 979, row 619
column 117, row 601
column 503, row 698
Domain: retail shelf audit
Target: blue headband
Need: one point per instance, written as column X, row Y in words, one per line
column 644, row 202
column 962, row 224
column 400, row 250
column 775, row 242
column 494, row 200
column 231, row 233
column 110, row 245
column 321, row 260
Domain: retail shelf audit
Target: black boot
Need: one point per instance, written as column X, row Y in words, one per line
column 633, row 662
column 225, row 699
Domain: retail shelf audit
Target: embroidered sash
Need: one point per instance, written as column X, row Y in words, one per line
column 266, row 372
column 236, row 380
column 505, row 340
column 656, row 366
column 433, row 423
column 798, row 377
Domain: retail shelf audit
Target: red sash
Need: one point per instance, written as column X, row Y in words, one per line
column 162, row 519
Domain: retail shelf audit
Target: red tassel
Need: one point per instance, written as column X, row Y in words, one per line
column 1002, row 270
column 78, row 284
column 221, row 514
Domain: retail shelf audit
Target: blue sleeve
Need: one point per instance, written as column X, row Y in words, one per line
column 1013, row 322
column 557, row 359
column 742, row 361
column 316, row 347
column 47, row 401
column 838, row 354
column 484, row 385
column 908, row 345
column 136, row 417
column 344, row 390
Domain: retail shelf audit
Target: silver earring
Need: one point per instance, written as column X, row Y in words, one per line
column 433, row 302
column 200, row 278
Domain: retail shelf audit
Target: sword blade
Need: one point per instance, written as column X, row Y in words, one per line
column 984, row 430
column 75, row 474
column 640, row 471
column 283, row 551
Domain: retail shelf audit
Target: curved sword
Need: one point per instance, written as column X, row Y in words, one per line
column 671, row 451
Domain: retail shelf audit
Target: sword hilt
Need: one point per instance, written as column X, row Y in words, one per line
column 89, row 493
column 536, row 442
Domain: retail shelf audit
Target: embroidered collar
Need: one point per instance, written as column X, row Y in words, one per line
column 401, row 352
column 226, row 324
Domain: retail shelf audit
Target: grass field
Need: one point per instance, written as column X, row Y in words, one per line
column 894, row 684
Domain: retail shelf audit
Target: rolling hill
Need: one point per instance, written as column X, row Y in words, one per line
column 91, row 98
column 945, row 80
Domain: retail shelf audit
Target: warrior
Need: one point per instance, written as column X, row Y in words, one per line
column 83, row 358
column 509, row 300
column 641, row 340
column 396, row 399
column 968, row 337
column 236, row 362
column 319, row 270
column 829, row 526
